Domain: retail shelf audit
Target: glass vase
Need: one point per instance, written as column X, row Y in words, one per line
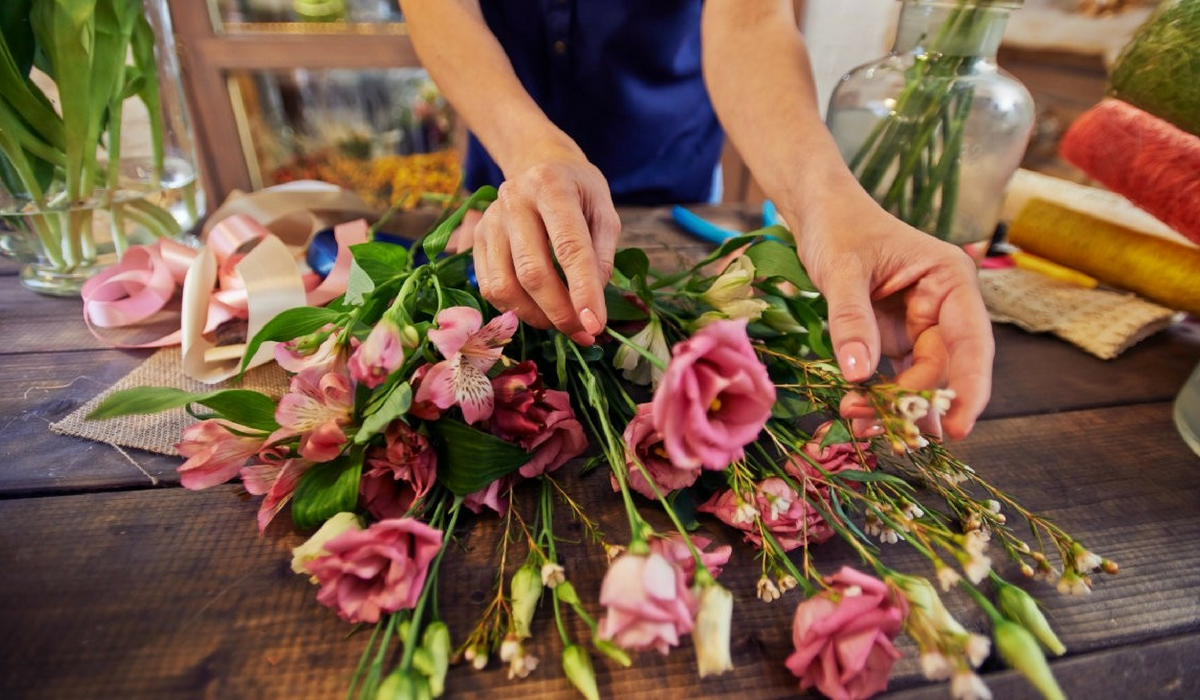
column 935, row 129
column 73, row 198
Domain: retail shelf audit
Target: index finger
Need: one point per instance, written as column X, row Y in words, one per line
column 571, row 240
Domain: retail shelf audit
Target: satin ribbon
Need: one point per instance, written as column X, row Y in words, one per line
column 244, row 271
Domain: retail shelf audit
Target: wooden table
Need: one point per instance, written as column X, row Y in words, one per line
column 114, row 587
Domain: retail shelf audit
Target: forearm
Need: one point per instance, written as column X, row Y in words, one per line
column 472, row 71
column 758, row 74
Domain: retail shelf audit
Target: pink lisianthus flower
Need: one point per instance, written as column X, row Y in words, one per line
column 215, row 453
column 317, row 350
column 676, row 551
column 470, row 349
column 648, row 603
column 644, row 443
column 317, row 406
column 789, row 518
column 379, row 355
column 843, row 636
column 714, row 399
column 538, row 419
column 398, row 473
column 834, row 458
column 378, row 570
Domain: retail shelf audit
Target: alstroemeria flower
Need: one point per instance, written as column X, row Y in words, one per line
column 633, row 365
column 316, row 407
column 382, row 569
column 379, row 355
column 648, row 603
column 397, row 474
column 214, row 453
column 538, row 419
column 732, row 294
column 644, row 444
column 470, row 349
column 275, row 479
column 843, row 636
column 318, row 350
column 715, row 398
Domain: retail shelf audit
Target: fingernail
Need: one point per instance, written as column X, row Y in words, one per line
column 866, row 428
column 856, row 363
column 590, row 323
column 582, row 338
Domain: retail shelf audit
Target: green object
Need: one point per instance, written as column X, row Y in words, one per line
column 1159, row 71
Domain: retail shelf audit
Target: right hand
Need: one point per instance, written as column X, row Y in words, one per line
column 559, row 209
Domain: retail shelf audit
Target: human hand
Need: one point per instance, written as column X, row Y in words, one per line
column 557, row 209
column 898, row 292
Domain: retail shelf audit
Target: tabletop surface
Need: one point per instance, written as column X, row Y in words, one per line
column 117, row 583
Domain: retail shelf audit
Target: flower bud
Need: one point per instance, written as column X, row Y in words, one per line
column 566, row 593
column 314, row 547
column 921, row 594
column 577, row 666
column 1020, row 650
column 526, row 587
column 612, row 651
column 402, row 686
column 767, row 591
column 779, row 318
column 732, row 293
column 711, row 634
column 1020, row 607
column 965, row 685
column 552, row 575
column 509, row 648
column 436, row 642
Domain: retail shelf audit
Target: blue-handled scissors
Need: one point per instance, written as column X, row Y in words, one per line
column 708, row 231
column 322, row 252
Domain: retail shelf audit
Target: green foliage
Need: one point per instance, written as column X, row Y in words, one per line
column 290, row 324
column 470, row 459
column 326, row 489
column 242, row 406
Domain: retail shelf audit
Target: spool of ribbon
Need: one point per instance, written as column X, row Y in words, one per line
column 246, row 270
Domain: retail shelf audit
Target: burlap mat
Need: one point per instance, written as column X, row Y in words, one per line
column 159, row 432
column 1104, row 323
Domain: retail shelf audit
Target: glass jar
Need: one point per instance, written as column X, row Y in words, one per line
column 935, row 129
column 78, row 192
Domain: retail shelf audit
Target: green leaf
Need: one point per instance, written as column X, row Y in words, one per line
column 242, row 406
column 327, row 489
column 789, row 405
column 469, row 459
column 725, row 249
column 452, row 272
column 142, row 48
column 396, row 404
column 381, row 261
column 632, row 262
column 774, row 259
column 620, row 308
column 685, row 502
column 358, row 284
column 17, row 34
column 436, row 241
column 818, row 338
column 290, row 324
column 837, row 434
column 866, row 477
column 458, row 297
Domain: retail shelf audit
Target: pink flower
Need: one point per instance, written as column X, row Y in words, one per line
column 538, row 419
column 378, row 356
column 275, row 479
column 378, row 570
column 399, row 473
column 676, row 551
column 789, row 518
column 493, row 497
column 838, row 457
column 648, row 603
column 318, row 350
column 422, row 407
column 843, row 636
column 316, row 407
column 214, row 453
column 714, row 399
column 470, row 351
column 645, row 443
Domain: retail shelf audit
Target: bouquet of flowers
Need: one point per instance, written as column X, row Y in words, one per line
column 413, row 401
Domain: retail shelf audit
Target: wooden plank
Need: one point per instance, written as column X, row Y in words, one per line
column 166, row 593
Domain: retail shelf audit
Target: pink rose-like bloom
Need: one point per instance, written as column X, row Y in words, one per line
column 378, row 356
column 676, row 551
column 378, row 570
column 789, row 518
column 648, row 603
column 399, row 473
column 645, row 443
column 318, row 350
column 843, row 637
column 494, row 497
column 838, row 457
column 214, row 453
column 315, row 408
column 715, row 398
column 470, row 349
column 538, row 419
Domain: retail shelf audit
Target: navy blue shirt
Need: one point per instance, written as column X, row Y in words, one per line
column 623, row 79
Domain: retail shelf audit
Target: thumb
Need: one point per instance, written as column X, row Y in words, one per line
column 852, row 326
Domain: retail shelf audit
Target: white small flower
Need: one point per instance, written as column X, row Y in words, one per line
column 977, row 567
column 975, row 542
column 1073, row 584
column 522, row 665
column 941, row 401
column 993, row 505
column 852, row 591
column 889, row 536
column 476, row 656
column 947, row 578
column 965, row 685
column 767, row 591
column 633, row 365
column 552, row 574
column 935, row 667
column 873, row 525
column 1087, row 561
column 977, row 649
column 732, row 294
column 745, row 513
column 779, row 506
column 913, row 511
column 787, row 583
column 510, row 649
column 912, row 407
